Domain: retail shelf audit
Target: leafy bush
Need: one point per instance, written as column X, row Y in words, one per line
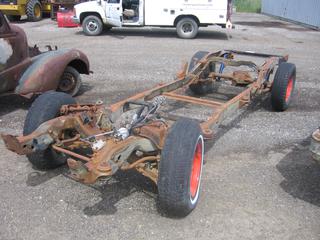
column 248, row 5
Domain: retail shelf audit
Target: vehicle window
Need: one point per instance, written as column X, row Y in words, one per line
column 113, row 1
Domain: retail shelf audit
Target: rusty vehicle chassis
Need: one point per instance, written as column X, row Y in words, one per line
column 141, row 150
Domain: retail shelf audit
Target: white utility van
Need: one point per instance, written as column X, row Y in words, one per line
column 186, row 15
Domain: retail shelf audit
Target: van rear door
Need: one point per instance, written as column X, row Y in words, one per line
column 114, row 12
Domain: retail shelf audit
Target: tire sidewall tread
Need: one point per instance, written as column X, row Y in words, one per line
column 195, row 26
column 279, row 87
column 199, row 88
column 77, row 76
column 30, row 10
column 44, row 108
column 100, row 25
column 175, row 168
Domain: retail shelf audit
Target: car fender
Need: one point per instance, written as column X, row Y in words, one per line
column 47, row 68
column 89, row 8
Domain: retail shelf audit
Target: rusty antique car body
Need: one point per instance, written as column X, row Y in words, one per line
column 149, row 132
column 26, row 71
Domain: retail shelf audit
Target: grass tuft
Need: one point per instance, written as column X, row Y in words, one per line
column 248, row 6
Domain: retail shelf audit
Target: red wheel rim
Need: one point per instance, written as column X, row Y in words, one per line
column 196, row 170
column 289, row 89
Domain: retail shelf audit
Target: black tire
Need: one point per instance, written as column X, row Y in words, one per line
column 176, row 168
column 53, row 12
column 203, row 87
column 107, row 28
column 70, row 81
column 283, row 86
column 44, row 108
column 187, row 28
column 34, row 10
column 14, row 18
column 92, row 25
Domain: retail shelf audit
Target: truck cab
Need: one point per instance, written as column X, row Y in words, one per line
column 185, row 15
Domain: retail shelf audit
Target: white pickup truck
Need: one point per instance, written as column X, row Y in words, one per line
column 185, row 15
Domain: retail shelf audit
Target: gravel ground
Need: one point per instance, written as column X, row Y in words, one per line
column 259, row 181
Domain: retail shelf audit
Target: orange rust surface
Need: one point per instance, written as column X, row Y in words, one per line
column 98, row 164
column 155, row 131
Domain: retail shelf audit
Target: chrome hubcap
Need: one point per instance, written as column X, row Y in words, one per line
column 92, row 26
column 187, row 28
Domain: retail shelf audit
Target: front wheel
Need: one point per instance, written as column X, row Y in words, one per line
column 92, row 25
column 14, row 18
column 200, row 88
column 283, row 86
column 34, row 10
column 70, row 81
column 180, row 168
column 187, row 28
column 44, row 108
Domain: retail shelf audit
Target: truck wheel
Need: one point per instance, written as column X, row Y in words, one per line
column 14, row 18
column 46, row 107
column 53, row 11
column 180, row 168
column 200, row 88
column 70, row 81
column 283, row 86
column 92, row 25
column 34, row 11
column 187, row 28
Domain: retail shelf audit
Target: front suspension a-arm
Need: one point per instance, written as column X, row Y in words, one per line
column 46, row 134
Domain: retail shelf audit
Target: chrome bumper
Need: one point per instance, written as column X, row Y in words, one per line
column 75, row 20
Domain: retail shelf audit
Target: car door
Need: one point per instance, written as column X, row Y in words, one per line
column 7, row 55
column 114, row 12
column 14, row 58
column 6, row 49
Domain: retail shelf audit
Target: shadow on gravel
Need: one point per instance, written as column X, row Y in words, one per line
column 112, row 190
column 120, row 186
column 301, row 173
column 159, row 33
column 38, row 177
column 84, row 88
column 13, row 102
column 260, row 102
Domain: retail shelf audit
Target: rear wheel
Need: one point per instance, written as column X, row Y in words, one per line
column 92, row 25
column 200, row 88
column 180, row 168
column 70, row 81
column 14, row 18
column 53, row 11
column 187, row 28
column 44, row 108
column 34, row 10
column 283, row 86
